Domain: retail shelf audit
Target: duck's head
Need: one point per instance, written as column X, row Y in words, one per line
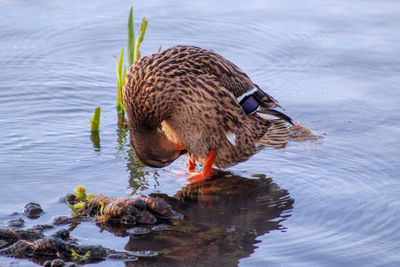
column 153, row 148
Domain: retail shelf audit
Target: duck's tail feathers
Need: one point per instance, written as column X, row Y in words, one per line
column 277, row 134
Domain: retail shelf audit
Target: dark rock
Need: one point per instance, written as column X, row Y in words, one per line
column 140, row 203
column 160, row 227
column 57, row 263
column 61, row 220
column 139, row 231
column 131, row 210
column 156, row 205
column 16, row 223
column 70, row 198
column 128, row 219
column 42, row 227
column 32, row 210
column 62, row 234
column 145, row 217
column 14, row 235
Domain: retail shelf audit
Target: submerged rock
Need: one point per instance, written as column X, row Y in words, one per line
column 139, row 231
column 16, row 223
column 33, row 210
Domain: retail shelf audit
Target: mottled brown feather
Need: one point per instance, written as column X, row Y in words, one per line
column 192, row 93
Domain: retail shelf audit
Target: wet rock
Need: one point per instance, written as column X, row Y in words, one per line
column 10, row 235
column 144, row 253
column 128, row 219
column 55, row 263
column 156, row 205
column 177, row 216
column 160, row 227
column 70, row 198
column 131, row 210
column 139, row 231
column 62, row 234
column 33, row 210
column 139, row 203
column 145, row 217
column 59, row 262
column 61, row 220
column 42, row 227
column 16, row 223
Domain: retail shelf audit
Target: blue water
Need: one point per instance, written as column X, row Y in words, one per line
column 334, row 66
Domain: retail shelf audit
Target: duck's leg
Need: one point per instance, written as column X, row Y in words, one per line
column 180, row 147
column 191, row 165
column 207, row 169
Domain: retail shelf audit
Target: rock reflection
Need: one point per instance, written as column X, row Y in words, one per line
column 222, row 219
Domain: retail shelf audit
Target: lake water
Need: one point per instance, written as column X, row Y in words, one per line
column 334, row 66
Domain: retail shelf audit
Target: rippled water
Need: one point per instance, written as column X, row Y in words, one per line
column 333, row 66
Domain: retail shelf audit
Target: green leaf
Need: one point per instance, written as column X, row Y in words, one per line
column 140, row 37
column 131, row 39
column 76, row 256
column 121, row 59
column 80, row 206
column 95, row 122
column 159, row 49
column 120, row 81
column 80, row 192
column 75, row 212
column 101, row 212
column 122, row 89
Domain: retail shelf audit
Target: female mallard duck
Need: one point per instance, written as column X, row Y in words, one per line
column 207, row 107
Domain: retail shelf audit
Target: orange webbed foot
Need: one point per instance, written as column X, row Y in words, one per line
column 207, row 169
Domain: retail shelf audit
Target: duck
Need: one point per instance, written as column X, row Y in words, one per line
column 189, row 100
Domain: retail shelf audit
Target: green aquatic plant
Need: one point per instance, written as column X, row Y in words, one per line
column 76, row 256
column 120, row 82
column 82, row 198
column 75, row 211
column 95, row 121
column 80, row 193
column 131, row 39
column 140, row 38
column 133, row 55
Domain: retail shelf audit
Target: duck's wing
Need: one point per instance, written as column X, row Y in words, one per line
column 256, row 100
column 247, row 94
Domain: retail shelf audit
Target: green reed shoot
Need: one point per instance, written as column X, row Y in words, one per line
column 131, row 39
column 133, row 55
column 120, row 82
column 140, row 38
column 95, row 121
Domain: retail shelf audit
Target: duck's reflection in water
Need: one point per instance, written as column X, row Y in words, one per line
column 222, row 219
